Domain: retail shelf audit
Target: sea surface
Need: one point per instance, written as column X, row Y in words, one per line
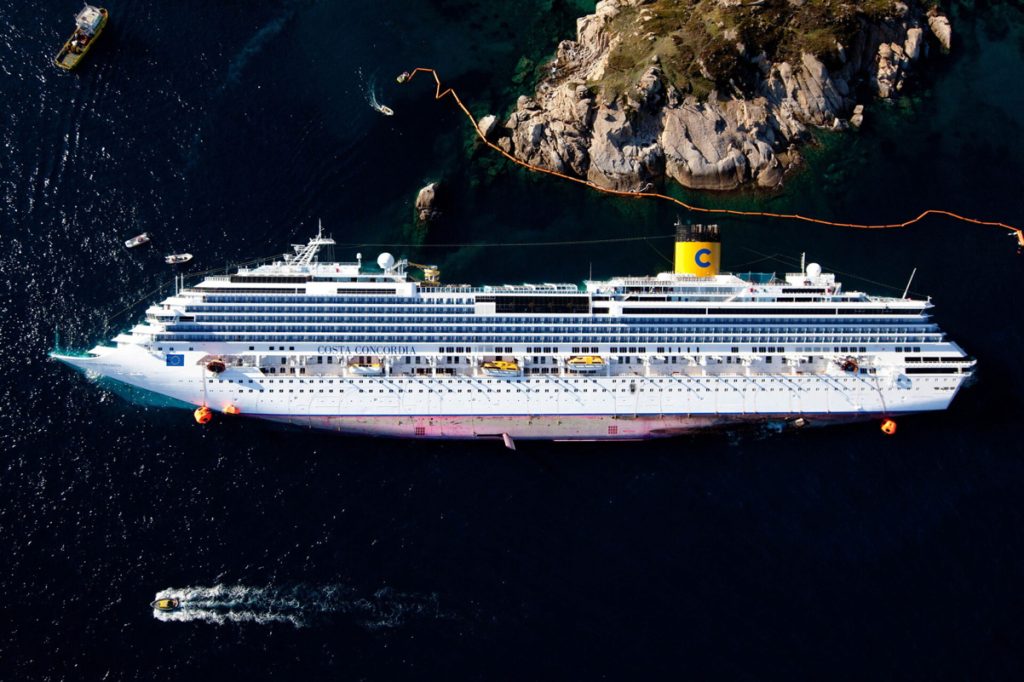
column 229, row 129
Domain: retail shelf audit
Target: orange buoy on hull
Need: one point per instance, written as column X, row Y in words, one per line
column 203, row 414
column 888, row 427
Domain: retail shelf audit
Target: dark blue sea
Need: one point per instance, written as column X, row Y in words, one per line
column 228, row 129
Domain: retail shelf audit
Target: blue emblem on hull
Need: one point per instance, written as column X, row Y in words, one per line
column 175, row 360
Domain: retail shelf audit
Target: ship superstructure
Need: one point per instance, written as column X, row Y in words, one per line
column 314, row 342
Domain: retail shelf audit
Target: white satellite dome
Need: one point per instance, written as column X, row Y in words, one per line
column 813, row 270
column 385, row 261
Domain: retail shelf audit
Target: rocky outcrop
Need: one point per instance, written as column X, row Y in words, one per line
column 426, row 203
column 655, row 129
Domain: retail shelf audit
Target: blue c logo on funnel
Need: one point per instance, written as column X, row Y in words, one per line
column 703, row 253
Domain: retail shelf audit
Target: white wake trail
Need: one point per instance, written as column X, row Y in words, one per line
column 300, row 605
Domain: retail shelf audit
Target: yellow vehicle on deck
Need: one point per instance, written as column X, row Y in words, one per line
column 89, row 24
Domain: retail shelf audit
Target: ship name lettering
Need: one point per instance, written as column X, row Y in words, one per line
column 366, row 350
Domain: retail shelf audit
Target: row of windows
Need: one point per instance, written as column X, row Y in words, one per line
column 441, row 316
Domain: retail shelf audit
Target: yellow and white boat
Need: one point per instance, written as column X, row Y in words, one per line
column 167, row 604
column 89, row 24
column 585, row 363
column 500, row 368
column 367, row 369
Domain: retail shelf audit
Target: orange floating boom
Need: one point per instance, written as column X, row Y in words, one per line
column 407, row 77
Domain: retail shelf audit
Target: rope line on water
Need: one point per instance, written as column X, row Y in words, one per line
column 575, row 242
column 450, row 92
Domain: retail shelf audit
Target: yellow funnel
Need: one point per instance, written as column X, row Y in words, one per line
column 698, row 250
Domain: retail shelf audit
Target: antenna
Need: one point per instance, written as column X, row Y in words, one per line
column 803, row 262
column 907, row 290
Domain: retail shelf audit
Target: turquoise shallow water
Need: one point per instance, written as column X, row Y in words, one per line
column 832, row 553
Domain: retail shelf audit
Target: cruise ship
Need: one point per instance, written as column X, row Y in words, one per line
column 350, row 347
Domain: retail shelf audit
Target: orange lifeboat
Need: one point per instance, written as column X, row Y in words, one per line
column 203, row 414
column 888, row 427
column 231, row 409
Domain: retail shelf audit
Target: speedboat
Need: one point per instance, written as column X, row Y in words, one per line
column 168, row 604
column 387, row 111
column 137, row 240
column 585, row 363
column 176, row 258
column 500, row 368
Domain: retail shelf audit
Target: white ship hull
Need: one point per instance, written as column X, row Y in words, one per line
column 535, row 407
column 338, row 346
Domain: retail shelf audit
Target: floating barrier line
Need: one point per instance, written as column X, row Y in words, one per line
column 450, row 92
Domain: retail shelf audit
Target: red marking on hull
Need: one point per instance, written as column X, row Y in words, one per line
column 562, row 428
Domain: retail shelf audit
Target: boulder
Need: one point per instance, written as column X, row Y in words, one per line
column 426, row 203
column 941, row 29
column 487, row 126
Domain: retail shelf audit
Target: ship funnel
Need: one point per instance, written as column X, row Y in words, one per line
column 698, row 250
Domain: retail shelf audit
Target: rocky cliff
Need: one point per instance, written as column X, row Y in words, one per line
column 712, row 93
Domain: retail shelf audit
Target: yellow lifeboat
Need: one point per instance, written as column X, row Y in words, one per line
column 585, row 363
column 367, row 369
column 231, row 409
column 500, row 368
column 203, row 414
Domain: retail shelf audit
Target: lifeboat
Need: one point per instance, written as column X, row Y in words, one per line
column 170, row 604
column 176, row 258
column 849, row 364
column 367, row 369
column 203, row 414
column 216, row 366
column 500, row 368
column 585, row 363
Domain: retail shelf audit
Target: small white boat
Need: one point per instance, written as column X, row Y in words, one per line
column 500, row 368
column 585, row 363
column 367, row 369
column 387, row 111
column 137, row 240
column 176, row 258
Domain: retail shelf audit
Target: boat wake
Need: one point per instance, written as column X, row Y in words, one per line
column 371, row 95
column 300, row 605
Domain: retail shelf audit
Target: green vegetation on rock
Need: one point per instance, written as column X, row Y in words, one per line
column 705, row 45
